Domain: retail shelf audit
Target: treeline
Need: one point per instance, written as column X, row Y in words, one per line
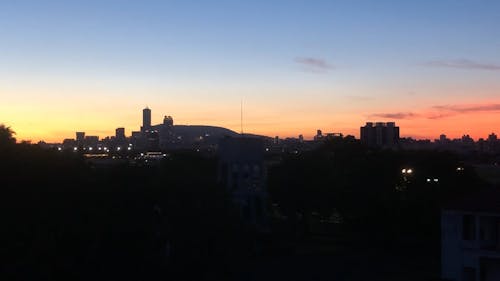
column 380, row 197
column 63, row 220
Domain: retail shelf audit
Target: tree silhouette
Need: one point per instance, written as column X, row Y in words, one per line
column 6, row 135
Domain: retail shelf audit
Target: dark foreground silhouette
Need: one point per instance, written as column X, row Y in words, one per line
column 341, row 212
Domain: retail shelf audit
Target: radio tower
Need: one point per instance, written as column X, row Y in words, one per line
column 241, row 116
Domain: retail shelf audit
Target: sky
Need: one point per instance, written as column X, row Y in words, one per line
column 433, row 67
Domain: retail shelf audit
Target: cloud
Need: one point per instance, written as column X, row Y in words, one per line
column 396, row 115
column 463, row 64
column 444, row 111
column 441, row 111
column 314, row 64
column 468, row 108
column 435, row 116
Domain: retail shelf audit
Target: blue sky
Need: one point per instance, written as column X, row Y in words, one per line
column 249, row 37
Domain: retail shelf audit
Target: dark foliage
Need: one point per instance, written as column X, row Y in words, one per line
column 63, row 220
column 378, row 204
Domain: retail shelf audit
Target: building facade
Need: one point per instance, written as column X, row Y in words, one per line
column 380, row 134
column 242, row 172
column 470, row 239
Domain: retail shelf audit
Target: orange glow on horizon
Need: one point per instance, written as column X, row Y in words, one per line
column 48, row 116
column 477, row 125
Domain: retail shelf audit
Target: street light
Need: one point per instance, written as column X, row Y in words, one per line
column 407, row 171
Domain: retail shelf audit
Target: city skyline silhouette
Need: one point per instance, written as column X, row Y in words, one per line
column 308, row 135
column 299, row 66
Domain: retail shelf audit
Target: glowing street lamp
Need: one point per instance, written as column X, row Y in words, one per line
column 407, row 171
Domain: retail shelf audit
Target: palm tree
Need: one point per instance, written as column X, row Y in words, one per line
column 6, row 135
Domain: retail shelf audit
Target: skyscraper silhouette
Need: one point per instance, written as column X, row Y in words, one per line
column 146, row 119
column 120, row 134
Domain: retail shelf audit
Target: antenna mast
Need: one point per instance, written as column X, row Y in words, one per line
column 241, row 116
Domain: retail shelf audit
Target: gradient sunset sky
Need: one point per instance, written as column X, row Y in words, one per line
column 431, row 66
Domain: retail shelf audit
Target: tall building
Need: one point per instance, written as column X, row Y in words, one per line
column 319, row 135
column 120, row 133
column 168, row 121
column 165, row 131
column 91, row 141
column 492, row 137
column 146, row 119
column 380, row 134
column 80, row 137
column 443, row 138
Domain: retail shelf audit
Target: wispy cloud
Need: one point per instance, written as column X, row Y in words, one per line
column 463, row 64
column 395, row 115
column 314, row 64
column 469, row 108
column 438, row 115
column 440, row 111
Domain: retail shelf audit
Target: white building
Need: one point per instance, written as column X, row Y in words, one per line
column 243, row 173
column 470, row 239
